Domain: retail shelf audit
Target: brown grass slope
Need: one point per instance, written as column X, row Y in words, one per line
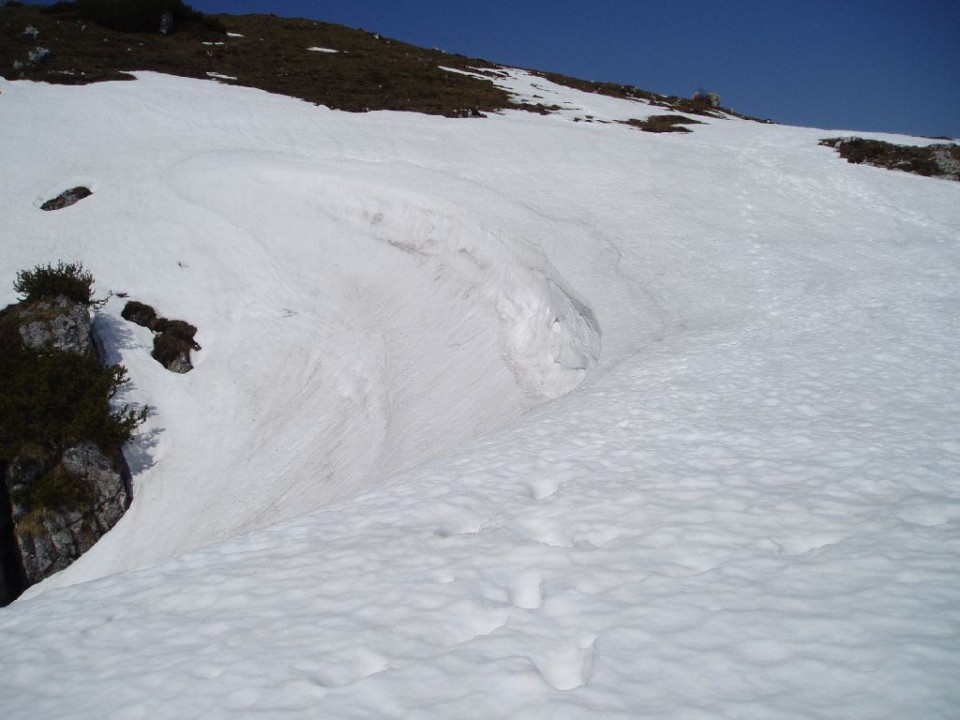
column 939, row 160
column 368, row 72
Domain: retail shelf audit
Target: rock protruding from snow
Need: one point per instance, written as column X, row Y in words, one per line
column 55, row 502
column 67, row 198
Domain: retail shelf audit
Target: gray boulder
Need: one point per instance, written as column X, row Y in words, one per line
column 59, row 324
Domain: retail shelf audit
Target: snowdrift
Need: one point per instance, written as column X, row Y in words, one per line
column 350, row 327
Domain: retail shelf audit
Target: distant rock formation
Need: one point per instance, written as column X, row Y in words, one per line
column 707, row 98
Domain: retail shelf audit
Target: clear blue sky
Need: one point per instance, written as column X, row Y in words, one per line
column 891, row 65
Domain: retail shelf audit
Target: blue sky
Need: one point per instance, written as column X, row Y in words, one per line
column 891, row 65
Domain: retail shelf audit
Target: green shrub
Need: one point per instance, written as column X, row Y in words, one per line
column 46, row 282
column 59, row 399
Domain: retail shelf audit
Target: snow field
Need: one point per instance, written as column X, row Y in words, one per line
column 748, row 510
column 311, row 317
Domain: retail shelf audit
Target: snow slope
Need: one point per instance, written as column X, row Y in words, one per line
column 749, row 509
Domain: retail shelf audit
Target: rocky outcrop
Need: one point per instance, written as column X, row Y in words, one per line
column 56, row 499
column 711, row 99
column 91, row 495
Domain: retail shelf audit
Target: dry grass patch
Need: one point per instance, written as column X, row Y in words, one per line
column 368, row 72
column 941, row 160
column 663, row 123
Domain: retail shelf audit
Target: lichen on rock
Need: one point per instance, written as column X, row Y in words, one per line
column 59, row 324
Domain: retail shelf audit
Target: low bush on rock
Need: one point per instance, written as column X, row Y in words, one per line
column 48, row 282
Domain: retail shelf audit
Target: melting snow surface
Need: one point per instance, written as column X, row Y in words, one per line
column 322, row 50
column 513, row 418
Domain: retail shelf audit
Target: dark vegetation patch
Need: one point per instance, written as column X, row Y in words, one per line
column 368, row 72
column 67, row 198
column 625, row 92
column 663, row 123
column 941, row 160
column 57, row 399
column 173, row 341
column 139, row 313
